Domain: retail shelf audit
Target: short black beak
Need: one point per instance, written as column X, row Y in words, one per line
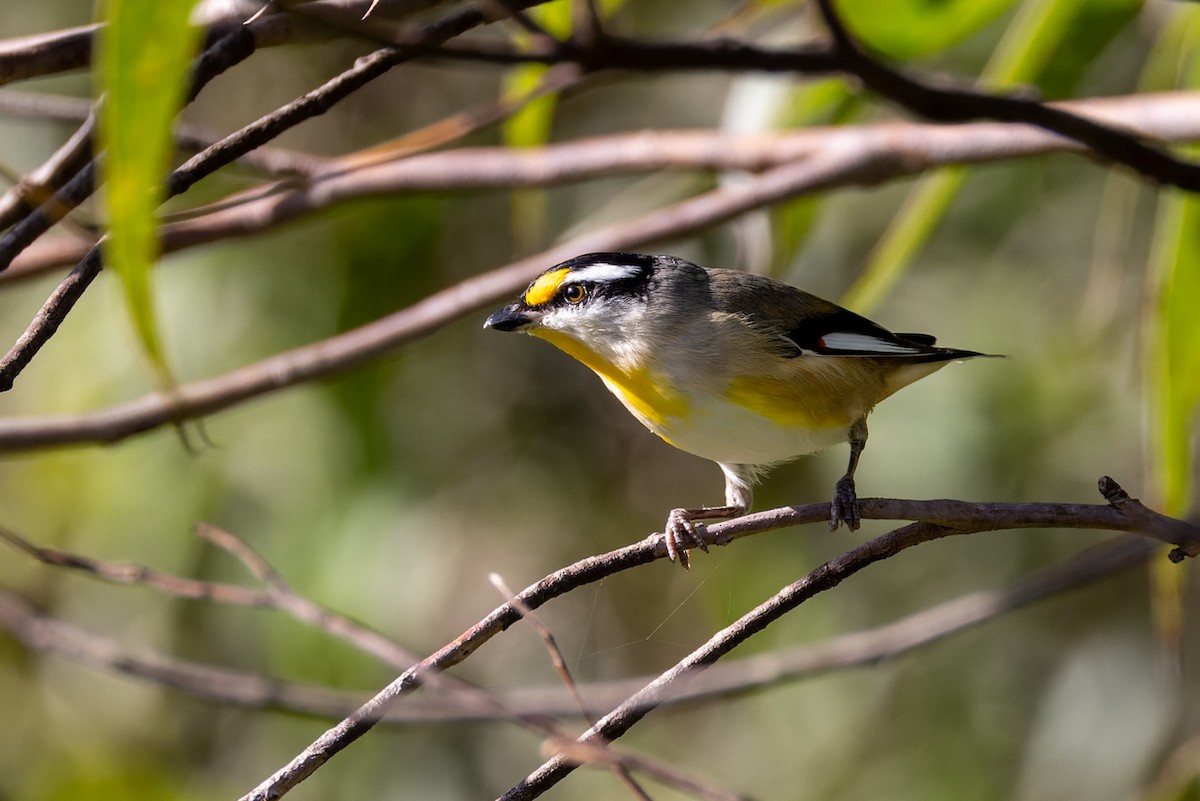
column 513, row 317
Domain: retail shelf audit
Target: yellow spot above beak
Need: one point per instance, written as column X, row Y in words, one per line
column 541, row 290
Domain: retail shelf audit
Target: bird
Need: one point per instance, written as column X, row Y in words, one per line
column 734, row 367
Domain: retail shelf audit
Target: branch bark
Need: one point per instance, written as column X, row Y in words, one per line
column 1121, row 514
column 829, row 575
column 43, row 633
column 858, row 155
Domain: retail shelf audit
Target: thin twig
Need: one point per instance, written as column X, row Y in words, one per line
column 564, row 672
column 39, row 186
column 866, row 154
column 402, row 148
column 284, row 598
column 227, row 51
column 277, row 595
column 41, row 633
column 321, row 99
column 952, row 104
column 78, row 184
column 884, row 151
column 1127, row 515
column 556, row 655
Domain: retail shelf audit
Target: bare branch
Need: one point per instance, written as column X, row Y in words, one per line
column 1126, row 515
column 223, row 54
column 344, row 351
column 1122, row 513
column 41, row 633
column 943, row 104
column 885, row 151
column 827, row 576
column 39, row 186
column 128, row 573
column 855, row 649
column 46, row 53
column 189, row 137
column 866, row 154
column 948, row 104
column 74, row 175
column 277, row 595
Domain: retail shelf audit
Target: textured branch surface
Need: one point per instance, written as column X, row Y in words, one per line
column 988, row 127
column 1123, row 511
column 1121, row 514
column 223, row 53
column 813, row 161
column 43, row 633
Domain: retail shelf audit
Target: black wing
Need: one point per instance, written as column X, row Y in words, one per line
column 844, row 333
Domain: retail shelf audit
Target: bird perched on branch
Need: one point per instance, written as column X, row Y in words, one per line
column 736, row 368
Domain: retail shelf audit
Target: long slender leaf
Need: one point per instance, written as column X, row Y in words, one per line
column 1173, row 353
column 146, row 48
column 1033, row 36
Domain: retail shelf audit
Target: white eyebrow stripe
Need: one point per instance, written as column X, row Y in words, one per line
column 839, row 340
column 601, row 272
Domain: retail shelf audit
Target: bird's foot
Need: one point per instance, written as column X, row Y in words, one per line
column 682, row 533
column 844, row 508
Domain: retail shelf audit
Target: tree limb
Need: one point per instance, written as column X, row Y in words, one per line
column 864, row 155
column 951, row 104
column 1124, row 512
column 1121, row 514
column 44, row 634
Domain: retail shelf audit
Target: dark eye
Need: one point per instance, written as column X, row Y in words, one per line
column 574, row 293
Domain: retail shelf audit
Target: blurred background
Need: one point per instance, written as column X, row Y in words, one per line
column 391, row 492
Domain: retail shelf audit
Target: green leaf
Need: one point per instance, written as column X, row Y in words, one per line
column 1175, row 345
column 145, row 51
column 1173, row 351
column 1174, row 386
column 1175, row 357
column 533, row 123
column 1033, row 36
column 904, row 29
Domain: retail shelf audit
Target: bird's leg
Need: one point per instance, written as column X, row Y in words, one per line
column 682, row 530
column 845, row 501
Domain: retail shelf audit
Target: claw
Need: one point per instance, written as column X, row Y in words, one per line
column 681, row 533
column 845, row 505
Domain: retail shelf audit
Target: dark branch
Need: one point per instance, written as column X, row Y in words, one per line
column 950, row 104
column 1121, row 511
column 44, row 634
column 1127, row 515
column 227, row 51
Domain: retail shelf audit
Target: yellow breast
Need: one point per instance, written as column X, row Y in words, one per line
column 654, row 402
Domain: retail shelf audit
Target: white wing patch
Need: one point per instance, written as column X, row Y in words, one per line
column 865, row 343
column 601, row 272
